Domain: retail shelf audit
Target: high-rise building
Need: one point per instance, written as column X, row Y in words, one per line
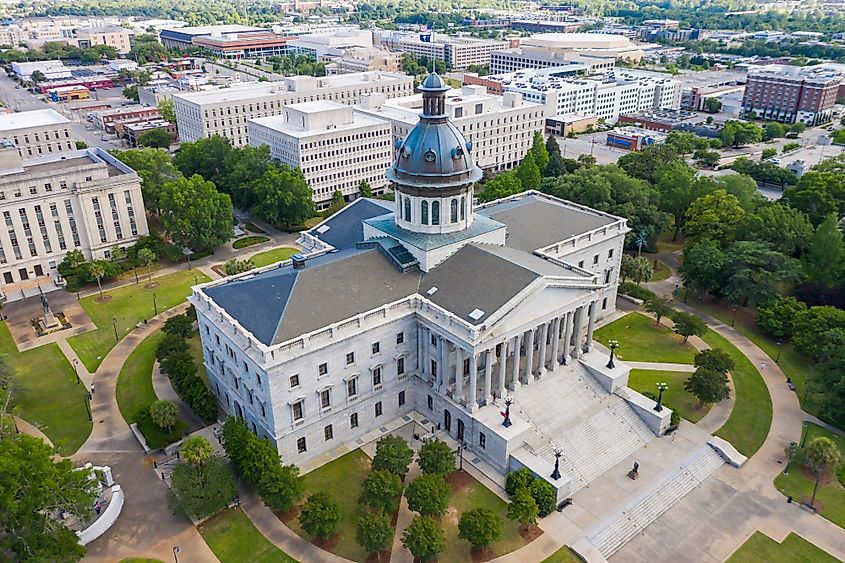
column 335, row 147
column 789, row 94
column 226, row 111
column 83, row 200
column 457, row 52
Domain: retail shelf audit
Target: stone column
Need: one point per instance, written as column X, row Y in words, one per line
column 472, row 403
column 421, row 355
column 489, row 356
column 579, row 331
column 543, row 336
column 503, row 360
column 459, row 374
column 516, row 358
column 555, row 343
column 529, row 355
column 591, row 324
column 443, row 365
column 567, row 336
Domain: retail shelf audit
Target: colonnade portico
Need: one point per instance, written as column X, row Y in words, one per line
column 557, row 340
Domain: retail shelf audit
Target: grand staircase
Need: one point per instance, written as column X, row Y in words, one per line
column 614, row 532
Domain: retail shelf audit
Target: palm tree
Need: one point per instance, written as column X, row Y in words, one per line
column 196, row 450
column 821, row 453
column 146, row 257
column 97, row 268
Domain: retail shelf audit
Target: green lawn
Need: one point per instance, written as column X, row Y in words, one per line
column 685, row 403
column 801, row 370
column 641, row 341
column 234, row 539
column 249, row 241
column 341, row 479
column 46, row 393
column 476, row 495
column 271, row 256
column 129, row 305
column 661, row 272
column 195, row 348
column 252, row 228
column 760, row 548
column 135, row 383
column 563, row 555
column 751, row 417
column 831, row 493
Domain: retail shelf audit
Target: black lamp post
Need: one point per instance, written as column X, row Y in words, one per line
column 507, row 422
column 175, row 551
column 733, row 320
column 75, row 363
column 614, row 344
column 556, row 472
column 155, row 305
column 661, row 387
column 779, row 343
column 803, row 433
column 790, row 453
column 114, row 324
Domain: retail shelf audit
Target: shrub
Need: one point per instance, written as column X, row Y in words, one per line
column 516, row 480
column 180, row 325
column 544, row 495
column 164, row 414
column 636, row 291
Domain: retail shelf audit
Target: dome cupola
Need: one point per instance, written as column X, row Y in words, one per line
column 434, row 170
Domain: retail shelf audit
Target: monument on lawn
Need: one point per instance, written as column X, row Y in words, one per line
column 49, row 320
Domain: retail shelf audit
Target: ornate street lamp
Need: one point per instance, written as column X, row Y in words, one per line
column 556, row 472
column 779, row 343
column 507, row 422
column 614, row 344
column 661, row 387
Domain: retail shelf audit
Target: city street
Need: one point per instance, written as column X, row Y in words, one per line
column 590, row 143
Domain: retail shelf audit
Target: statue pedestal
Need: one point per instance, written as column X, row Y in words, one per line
column 49, row 321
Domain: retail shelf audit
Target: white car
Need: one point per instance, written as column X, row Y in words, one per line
column 774, row 160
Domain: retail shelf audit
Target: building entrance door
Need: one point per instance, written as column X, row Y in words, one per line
column 460, row 430
column 447, row 421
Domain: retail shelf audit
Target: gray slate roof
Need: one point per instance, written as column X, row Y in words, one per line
column 480, row 225
column 534, row 222
column 346, row 227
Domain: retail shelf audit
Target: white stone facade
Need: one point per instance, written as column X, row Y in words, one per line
column 37, row 133
column 82, row 200
column 335, row 147
column 226, row 111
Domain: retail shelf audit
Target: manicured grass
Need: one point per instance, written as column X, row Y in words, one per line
column 252, row 228
column 46, row 393
column 563, row 555
column 801, row 370
column 640, row 340
column 272, row 256
column 475, row 495
column 341, row 479
column 248, row 241
column 830, row 498
column 135, row 383
column 129, row 305
column 234, row 539
column 751, row 417
column 195, row 348
column 760, row 548
column 661, row 272
column 684, row 402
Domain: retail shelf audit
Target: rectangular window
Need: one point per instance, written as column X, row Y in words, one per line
column 610, row 253
column 352, row 387
column 378, row 409
column 298, row 411
column 604, row 303
column 430, row 403
column 323, row 369
column 482, row 440
column 433, row 340
column 581, row 264
column 350, row 358
column 401, row 398
column 376, row 377
column 596, row 259
column 325, row 398
column 433, row 367
column 328, row 433
column 400, row 366
column 400, row 337
column 300, row 445
column 376, row 348
column 353, row 420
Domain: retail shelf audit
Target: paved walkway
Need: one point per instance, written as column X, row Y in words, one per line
column 662, row 366
column 164, row 390
column 398, row 552
column 24, row 427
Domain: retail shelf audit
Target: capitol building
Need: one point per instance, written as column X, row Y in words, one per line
column 430, row 311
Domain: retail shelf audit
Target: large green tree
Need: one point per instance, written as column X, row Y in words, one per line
column 824, row 261
column 679, row 187
column 374, row 532
column 688, row 325
column 523, row 507
column 501, row 185
column 435, row 456
column 424, row 538
column 382, row 490
column 392, row 454
column 194, row 214
column 154, row 167
column 714, row 216
column 282, row 197
column 556, row 166
column 203, row 489
column 777, row 316
column 320, row 515
column 529, row 173
column 155, row 138
column 428, row 494
column 708, row 386
column 738, row 133
column 784, row 228
column 821, row 453
column 649, row 163
column 480, row 527
column 206, row 157
column 242, row 168
column 754, row 273
column 538, row 149
column 34, row 487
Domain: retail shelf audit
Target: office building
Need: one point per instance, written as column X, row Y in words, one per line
column 363, row 59
column 504, row 61
column 38, row 132
column 792, row 94
column 83, row 200
column 180, row 38
column 110, row 36
column 226, row 111
column 244, row 44
column 457, row 52
column 52, row 70
column 500, row 128
column 335, row 147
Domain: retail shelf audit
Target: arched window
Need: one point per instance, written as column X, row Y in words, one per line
column 454, row 210
column 435, row 212
column 424, row 212
column 463, row 208
column 407, row 209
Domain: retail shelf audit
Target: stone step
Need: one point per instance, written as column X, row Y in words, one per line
column 615, row 531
